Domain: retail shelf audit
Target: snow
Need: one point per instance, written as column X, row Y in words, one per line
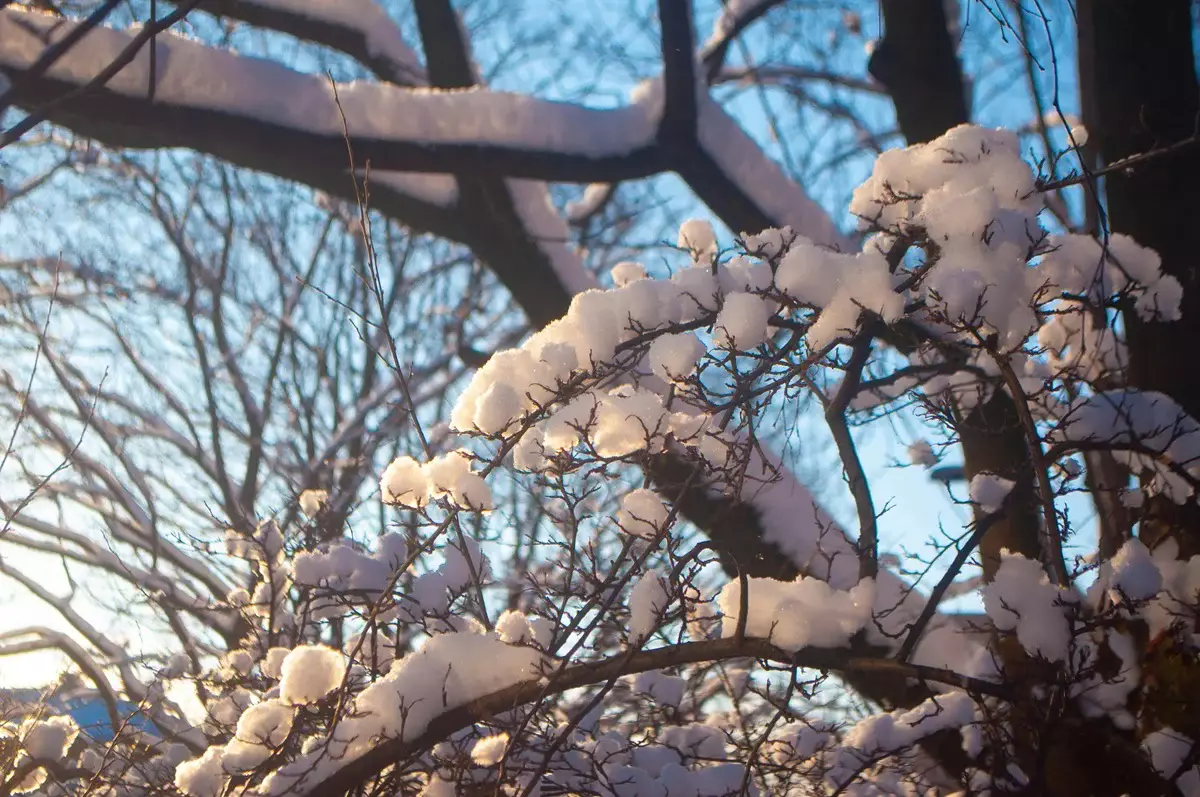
column 969, row 181
column 803, row 613
column 694, row 741
column 1108, row 695
column 648, row 599
column 988, row 491
column 794, row 742
column 513, row 627
column 499, row 406
column 462, row 565
column 404, row 483
column 437, row 787
column 239, row 661
column 841, row 285
column 311, row 501
column 782, row 199
column 695, row 292
column 1074, row 346
column 489, row 750
column 1135, row 576
column 338, row 566
column 1161, row 436
column 436, row 189
column 1021, row 599
column 1168, row 749
column 896, row 731
column 544, row 224
column 1180, row 586
column 392, row 550
column 309, row 673
column 48, row 739
column 674, row 356
column 227, row 709
column 409, row 483
column 794, row 522
column 665, row 690
column 742, row 322
column 268, row 722
column 974, row 196
column 697, row 236
column 642, row 513
column 445, row 672
column 1078, row 265
column 628, row 420
column 687, row 761
column 626, row 272
column 768, row 243
column 594, row 196
column 204, row 776
column 193, row 75
column 261, row 729
column 741, row 273
column 263, row 544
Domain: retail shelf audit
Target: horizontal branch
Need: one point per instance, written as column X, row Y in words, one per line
column 203, row 95
column 390, row 752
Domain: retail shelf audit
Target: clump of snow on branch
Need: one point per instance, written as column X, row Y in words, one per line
column 1021, row 599
column 309, row 673
column 642, row 513
column 1135, row 576
column 806, row 612
column 1169, row 751
column 447, row 671
column 1146, row 430
column 648, row 600
column 989, row 490
column 489, row 750
column 409, row 483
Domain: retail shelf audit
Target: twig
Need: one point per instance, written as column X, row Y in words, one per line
column 982, row 526
column 1123, row 164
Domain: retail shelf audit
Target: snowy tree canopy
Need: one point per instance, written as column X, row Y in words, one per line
column 424, row 486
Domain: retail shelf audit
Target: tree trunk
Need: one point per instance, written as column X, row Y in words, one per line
column 1139, row 75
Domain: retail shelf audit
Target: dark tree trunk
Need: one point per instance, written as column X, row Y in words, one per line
column 1140, row 92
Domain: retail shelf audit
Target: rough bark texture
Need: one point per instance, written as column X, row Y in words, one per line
column 1142, row 93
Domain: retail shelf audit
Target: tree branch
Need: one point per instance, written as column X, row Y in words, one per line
column 389, row 752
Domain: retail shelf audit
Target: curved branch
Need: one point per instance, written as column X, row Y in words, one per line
column 46, row 638
column 389, row 752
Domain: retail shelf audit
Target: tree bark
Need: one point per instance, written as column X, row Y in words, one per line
column 1138, row 71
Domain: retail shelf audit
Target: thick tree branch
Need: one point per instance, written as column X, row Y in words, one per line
column 389, row 752
column 677, row 129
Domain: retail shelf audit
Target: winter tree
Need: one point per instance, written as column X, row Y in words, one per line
column 372, row 465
